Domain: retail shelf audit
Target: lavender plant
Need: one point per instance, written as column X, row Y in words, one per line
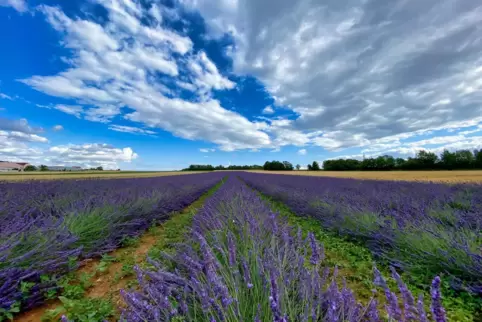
column 242, row 262
column 423, row 228
column 46, row 227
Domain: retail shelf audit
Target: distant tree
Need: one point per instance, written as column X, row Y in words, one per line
column 400, row 163
column 310, row 167
column 30, row 168
column 426, row 159
column 288, row 166
column 448, row 160
column 298, row 167
column 465, row 159
column 99, row 168
column 43, row 167
column 315, row 166
column 267, row 165
column 478, row 158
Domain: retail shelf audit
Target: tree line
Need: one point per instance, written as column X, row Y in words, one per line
column 208, row 167
column 424, row 160
column 268, row 165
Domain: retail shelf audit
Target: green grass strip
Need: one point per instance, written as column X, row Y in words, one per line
column 78, row 307
column 355, row 263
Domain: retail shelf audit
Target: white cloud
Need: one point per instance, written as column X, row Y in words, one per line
column 302, row 152
column 20, row 125
column 15, row 137
column 20, row 136
column 57, row 128
column 119, row 63
column 74, row 110
column 268, row 110
column 358, row 71
column 5, row 96
column 19, row 142
column 103, row 113
column 19, row 5
column 130, row 129
column 207, row 150
column 91, row 155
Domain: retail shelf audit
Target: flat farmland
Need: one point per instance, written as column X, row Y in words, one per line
column 456, row 176
column 51, row 175
column 213, row 246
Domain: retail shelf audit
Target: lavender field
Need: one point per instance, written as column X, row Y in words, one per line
column 422, row 228
column 251, row 252
column 47, row 228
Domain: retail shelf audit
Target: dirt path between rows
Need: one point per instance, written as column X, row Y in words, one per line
column 103, row 285
column 107, row 284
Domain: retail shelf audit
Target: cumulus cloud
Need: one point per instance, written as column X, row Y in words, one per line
column 358, row 71
column 128, row 63
column 268, row 110
column 19, row 5
column 91, row 155
column 438, row 144
column 20, row 125
column 15, row 139
column 130, row 129
column 207, row 150
column 19, row 142
column 302, row 152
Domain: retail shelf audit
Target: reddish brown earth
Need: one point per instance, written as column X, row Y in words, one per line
column 103, row 285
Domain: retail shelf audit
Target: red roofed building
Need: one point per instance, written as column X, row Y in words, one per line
column 6, row 166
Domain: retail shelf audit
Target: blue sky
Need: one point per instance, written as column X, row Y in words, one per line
column 159, row 85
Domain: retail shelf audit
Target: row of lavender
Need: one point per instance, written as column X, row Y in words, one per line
column 423, row 228
column 242, row 262
column 47, row 227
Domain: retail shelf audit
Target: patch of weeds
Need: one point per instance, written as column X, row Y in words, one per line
column 102, row 267
column 127, row 269
column 85, row 309
column 25, row 287
column 104, row 264
column 130, row 241
column 7, row 314
column 85, row 280
column 73, row 291
column 132, row 283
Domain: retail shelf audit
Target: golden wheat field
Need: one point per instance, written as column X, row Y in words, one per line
column 9, row 176
column 456, row 176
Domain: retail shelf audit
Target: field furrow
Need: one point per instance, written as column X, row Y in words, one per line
column 48, row 229
column 242, row 261
column 423, row 229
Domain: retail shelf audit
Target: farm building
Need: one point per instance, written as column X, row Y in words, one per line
column 64, row 168
column 6, row 166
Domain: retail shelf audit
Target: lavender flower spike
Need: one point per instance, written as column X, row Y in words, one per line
column 436, row 307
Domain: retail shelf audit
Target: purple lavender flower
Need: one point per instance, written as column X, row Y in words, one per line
column 436, row 307
column 232, row 250
column 421, row 309
column 315, row 256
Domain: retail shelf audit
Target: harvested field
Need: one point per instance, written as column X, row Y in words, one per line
column 49, row 175
column 456, row 176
